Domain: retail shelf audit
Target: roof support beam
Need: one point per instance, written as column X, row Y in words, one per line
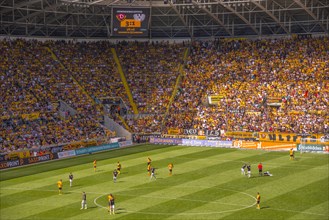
column 272, row 16
column 214, row 17
column 239, row 15
column 298, row 2
column 56, row 18
column 182, row 19
column 20, row 5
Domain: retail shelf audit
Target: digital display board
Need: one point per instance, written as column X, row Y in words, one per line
column 130, row 22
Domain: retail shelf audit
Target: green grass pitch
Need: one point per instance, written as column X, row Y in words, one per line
column 206, row 184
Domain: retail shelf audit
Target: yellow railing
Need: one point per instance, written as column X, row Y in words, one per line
column 124, row 81
column 53, row 55
column 124, row 123
column 178, row 80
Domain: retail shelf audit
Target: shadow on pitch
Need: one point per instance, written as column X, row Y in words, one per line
column 265, row 207
column 120, row 211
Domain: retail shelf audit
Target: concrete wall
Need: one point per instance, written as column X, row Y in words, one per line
column 113, row 126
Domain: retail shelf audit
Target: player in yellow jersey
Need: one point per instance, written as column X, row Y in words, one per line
column 95, row 165
column 149, row 161
column 170, row 166
column 111, row 204
column 291, row 153
column 119, row 167
column 258, row 200
column 60, row 185
column 149, row 169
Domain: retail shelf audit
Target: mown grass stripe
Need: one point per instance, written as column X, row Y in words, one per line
column 202, row 193
column 272, row 189
column 93, row 182
column 91, row 179
column 23, row 210
column 86, row 171
column 180, row 186
column 68, row 162
column 79, row 171
column 315, row 212
column 203, row 175
column 100, row 179
column 284, row 201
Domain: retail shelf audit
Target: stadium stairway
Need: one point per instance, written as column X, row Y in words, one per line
column 124, row 123
column 54, row 56
column 124, row 81
column 177, row 83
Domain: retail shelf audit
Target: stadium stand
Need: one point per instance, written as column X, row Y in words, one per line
column 151, row 71
column 262, row 85
column 32, row 84
column 251, row 78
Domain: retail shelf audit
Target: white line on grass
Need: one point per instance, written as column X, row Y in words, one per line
column 189, row 213
column 299, row 166
column 102, row 194
column 308, row 213
column 196, row 213
column 47, row 190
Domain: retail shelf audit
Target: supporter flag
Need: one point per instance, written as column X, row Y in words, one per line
column 306, row 93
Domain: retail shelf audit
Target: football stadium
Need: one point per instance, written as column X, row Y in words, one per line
column 164, row 109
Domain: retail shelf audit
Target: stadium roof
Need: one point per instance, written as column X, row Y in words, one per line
column 168, row 18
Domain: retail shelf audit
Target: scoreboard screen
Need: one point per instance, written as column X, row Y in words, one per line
column 130, row 22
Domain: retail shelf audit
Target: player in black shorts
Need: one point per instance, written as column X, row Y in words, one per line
column 243, row 169
column 119, row 167
column 115, row 175
column 249, row 170
column 71, row 179
column 111, row 203
column 153, row 173
column 258, row 200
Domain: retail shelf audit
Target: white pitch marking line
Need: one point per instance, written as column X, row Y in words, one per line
column 300, row 166
column 47, row 190
column 102, row 194
column 309, row 213
column 191, row 213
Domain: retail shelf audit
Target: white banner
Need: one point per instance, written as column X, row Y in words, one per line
column 69, row 153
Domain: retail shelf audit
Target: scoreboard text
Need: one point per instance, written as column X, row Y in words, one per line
column 130, row 22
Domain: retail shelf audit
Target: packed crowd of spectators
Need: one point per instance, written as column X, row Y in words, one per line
column 151, row 70
column 93, row 66
column 248, row 76
column 32, row 83
column 47, row 130
column 262, row 85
